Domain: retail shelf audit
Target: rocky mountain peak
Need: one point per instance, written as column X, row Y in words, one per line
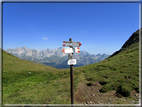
column 24, row 47
column 134, row 38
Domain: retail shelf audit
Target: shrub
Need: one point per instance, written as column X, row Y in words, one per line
column 106, row 88
column 123, row 90
column 103, row 82
column 137, row 89
column 103, row 90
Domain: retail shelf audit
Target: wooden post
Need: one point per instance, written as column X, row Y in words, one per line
column 71, row 77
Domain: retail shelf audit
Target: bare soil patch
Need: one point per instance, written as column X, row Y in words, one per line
column 91, row 95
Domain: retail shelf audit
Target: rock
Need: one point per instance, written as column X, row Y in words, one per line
column 93, row 95
column 133, row 39
column 90, row 102
column 119, row 95
column 137, row 94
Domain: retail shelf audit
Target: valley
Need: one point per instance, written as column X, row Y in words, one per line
column 114, row 80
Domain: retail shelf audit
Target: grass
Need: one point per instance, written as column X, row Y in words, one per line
column 25, row 82
column 120, row 71
column 29, row 83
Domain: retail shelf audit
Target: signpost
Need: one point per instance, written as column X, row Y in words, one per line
column 73, row 44
column 67, row 50
column 71, row 50
column 71, row 61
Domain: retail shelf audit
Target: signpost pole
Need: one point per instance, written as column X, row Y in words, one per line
column 71, row 77
column 71, row 61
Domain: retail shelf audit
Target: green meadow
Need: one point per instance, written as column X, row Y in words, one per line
column 25, row 82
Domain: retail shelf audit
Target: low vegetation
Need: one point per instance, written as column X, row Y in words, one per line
column 120, row 73
column 25, row 82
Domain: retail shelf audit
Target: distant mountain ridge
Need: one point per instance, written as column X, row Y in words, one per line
column 55, row 57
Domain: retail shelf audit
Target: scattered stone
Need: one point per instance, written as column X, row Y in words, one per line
column 60, row 85
column 29, row 72
column 21, row 89
column 98, row 102
column 40, row 83
column 93, row 95
column 98, row 91
column 85, row 104
column 136, row 100
column 90, row 102
column 137, row 94
column 45, row 82
column 119, row 95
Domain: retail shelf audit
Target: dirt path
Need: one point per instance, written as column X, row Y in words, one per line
column 91, row 95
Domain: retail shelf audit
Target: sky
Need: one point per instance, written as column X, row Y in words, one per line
column 99, row 27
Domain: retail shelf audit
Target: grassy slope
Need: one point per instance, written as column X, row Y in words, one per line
column 120, row 71
column 16, row 77
column 21, row 87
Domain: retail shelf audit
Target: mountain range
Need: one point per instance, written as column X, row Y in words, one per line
column 55, row 57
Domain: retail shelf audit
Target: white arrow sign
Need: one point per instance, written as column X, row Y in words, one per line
column 71, row 50
column 73, row 44
column 71, row 61
column 76, row 50
column 67, row 50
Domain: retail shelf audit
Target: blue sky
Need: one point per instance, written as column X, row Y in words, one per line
column 100, row 27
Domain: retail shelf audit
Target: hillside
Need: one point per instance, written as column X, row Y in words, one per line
column 116, row 76
column 114, row 80
column 25, row 82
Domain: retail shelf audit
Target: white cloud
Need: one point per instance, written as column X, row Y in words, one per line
column 45, row 38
